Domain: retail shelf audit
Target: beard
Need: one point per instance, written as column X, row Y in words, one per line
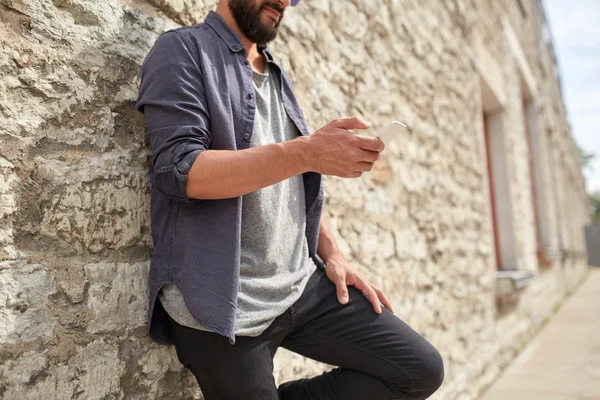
column 248, row 17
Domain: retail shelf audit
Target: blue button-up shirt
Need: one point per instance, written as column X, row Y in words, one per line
column 197, row 94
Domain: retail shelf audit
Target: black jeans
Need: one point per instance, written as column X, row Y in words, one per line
column 379, row 356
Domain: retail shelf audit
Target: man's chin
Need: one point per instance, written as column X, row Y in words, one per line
column 270, row 27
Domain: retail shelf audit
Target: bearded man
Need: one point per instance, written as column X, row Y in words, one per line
column 244, row 262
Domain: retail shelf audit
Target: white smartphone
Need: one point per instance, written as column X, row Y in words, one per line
column 391, row 131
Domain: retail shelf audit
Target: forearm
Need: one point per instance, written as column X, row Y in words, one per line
column 326, row 247
column 222, row 174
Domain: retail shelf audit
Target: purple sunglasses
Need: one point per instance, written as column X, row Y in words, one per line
column 294, row 3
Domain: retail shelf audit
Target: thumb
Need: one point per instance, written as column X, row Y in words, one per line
column 351, row 123
column 342, row 291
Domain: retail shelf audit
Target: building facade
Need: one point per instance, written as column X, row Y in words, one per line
column 472, row 222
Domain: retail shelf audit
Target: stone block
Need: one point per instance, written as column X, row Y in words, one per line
column 117, row 296
column 24, row 309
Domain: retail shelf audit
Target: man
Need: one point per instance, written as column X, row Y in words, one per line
column 244, row 262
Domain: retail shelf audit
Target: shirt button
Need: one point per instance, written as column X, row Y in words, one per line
column 246, row 136
column 247, row 62
column 250, row 96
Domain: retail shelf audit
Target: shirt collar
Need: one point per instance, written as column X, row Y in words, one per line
column 231, row 38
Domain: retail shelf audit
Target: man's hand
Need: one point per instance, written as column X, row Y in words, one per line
column 343, row 275
column 336, row 150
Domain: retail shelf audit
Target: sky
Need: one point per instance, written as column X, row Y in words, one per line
column 575, row 27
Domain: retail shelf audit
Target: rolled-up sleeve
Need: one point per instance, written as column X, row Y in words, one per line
column 173, row 101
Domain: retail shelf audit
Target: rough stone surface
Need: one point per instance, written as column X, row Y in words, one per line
column 74, row 229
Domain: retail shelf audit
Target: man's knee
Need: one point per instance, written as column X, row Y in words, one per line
column 432, row 374
column 425, row 377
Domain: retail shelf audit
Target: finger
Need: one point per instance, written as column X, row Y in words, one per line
column 374, row 300
column 370, row 143
column 368, row 291
column 383, row 298
column 351, row 123
column 368, row 155
column 341, row 290
column 364, row 166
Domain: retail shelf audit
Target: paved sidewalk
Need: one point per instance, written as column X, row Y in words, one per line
column 563, row 361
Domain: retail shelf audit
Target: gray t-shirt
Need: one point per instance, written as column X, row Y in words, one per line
column 274, row 265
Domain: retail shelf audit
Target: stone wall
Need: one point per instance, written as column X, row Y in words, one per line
column 74, row 234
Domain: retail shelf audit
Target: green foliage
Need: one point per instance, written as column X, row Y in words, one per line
column 586, row 159
column 586, row 164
